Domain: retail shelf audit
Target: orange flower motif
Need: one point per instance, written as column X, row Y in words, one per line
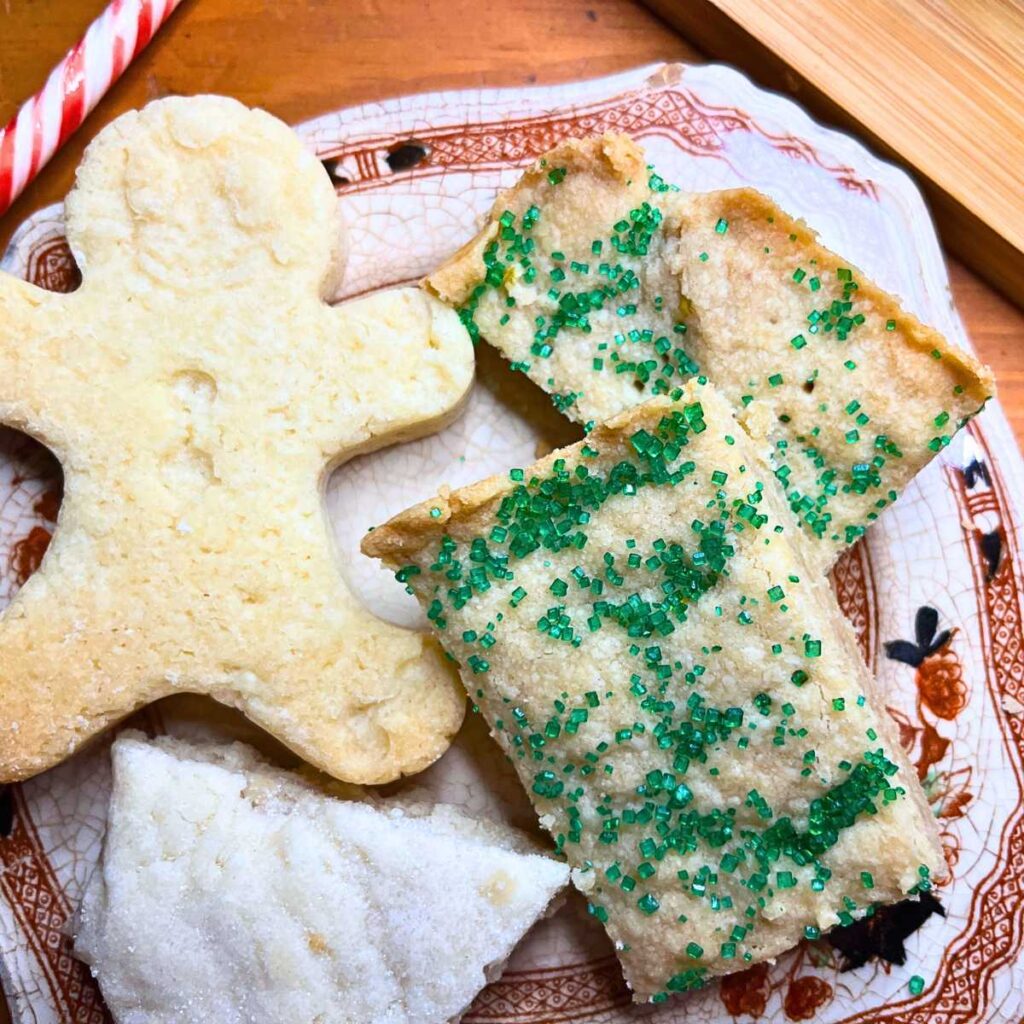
column 746, row 991
column 940, row 678
column 805, row 996
column 27, row 553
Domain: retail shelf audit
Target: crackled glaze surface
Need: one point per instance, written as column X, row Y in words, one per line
column 412, row 176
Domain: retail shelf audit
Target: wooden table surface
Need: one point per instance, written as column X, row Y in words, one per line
column 298, row 58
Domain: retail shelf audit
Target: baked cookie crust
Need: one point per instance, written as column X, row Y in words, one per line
column 675, row 684
column 606, row 286
column 197, row 390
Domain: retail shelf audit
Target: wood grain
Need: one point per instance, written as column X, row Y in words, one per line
column 299, row 59
column 935, row 84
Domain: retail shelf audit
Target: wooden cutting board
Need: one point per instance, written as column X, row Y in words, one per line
column 935, row 84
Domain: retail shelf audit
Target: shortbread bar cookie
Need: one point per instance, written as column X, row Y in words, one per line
column 606, row 286
column 677, row 689
column 231, row 892
column 197, row 390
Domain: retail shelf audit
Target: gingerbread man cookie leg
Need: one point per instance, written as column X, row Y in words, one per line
column 198, row 390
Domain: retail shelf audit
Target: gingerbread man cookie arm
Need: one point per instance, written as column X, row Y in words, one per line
column 27, row 311
column 413, row 361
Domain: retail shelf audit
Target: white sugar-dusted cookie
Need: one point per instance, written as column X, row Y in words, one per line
column 197, row 391
column 230, row 891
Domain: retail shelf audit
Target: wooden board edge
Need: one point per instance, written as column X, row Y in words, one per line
column 977, row 243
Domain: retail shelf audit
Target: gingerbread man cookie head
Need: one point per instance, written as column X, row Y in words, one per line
column 177, row 194
column 197, row 390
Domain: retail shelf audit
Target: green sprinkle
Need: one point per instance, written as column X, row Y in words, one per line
column 867, row 880
column 916, row 985
column 556, row 176
column 722, row 226
column 435, row 513
column 798, row 342
column 775, row 379
column 811, row 932
column 693, row 951
column 890, row 325
column 648, row 904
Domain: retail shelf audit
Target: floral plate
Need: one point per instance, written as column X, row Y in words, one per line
column 935, row 591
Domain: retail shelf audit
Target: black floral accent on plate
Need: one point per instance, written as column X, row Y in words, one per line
column 974, row 471
column 406, row 155
column 926, row 622
column 991, row 545
column 334, row 172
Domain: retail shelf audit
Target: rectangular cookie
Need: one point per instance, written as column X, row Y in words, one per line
column 606, row 286
column 677, row 689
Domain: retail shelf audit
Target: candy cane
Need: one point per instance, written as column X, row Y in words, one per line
column 46, row 121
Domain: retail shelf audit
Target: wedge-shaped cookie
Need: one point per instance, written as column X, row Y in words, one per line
column 230, row 891
column 676, row 687
column 197, row 391
column 606, row 287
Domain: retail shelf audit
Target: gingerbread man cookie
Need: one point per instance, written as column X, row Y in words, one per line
column 197, row 391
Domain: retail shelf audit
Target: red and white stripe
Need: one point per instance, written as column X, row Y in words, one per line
column 44, row 122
